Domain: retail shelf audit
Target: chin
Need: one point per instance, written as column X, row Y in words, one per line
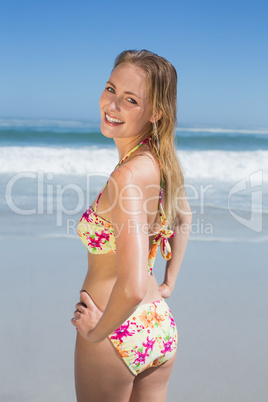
column 105, row 131
column 110, row 132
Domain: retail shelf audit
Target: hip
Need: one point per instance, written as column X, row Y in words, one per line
column 148, row 337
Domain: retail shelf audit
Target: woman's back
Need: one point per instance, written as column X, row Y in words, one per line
column 97, row 231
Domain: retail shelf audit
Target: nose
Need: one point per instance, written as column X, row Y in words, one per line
column 114, row 104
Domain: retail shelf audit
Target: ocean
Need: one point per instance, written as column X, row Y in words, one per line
column 51, row 170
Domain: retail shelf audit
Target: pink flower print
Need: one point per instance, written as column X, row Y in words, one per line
column 94, row 242
column 149, row 345
column 122, row 332
column 141, row 357
column 172, row 322
column 167, row 346
column 103, row 236
column 86, row 216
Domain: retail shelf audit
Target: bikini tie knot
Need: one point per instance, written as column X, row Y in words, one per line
column 162, row 239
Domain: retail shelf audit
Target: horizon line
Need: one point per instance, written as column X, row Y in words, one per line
column 82, row 123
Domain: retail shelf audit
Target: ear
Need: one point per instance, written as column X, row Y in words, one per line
column 156, row 116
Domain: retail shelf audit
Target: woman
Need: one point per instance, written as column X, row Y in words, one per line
column 126, row 336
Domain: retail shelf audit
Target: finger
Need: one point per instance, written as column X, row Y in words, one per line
column 80, row 307
column 77, row 314
column 85, row 298
column 74, row 322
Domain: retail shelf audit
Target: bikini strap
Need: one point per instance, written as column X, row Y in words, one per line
column 161, row 238
column 122, row 160
column 162, row 212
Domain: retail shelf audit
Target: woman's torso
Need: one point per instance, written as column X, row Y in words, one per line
column 101, row 274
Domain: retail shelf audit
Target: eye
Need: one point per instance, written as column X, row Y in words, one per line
column 110, row 89
column 131, row 100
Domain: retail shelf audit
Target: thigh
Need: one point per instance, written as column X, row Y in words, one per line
column 100, row 373
column 151, row 385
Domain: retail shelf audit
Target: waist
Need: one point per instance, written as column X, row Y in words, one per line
column 99, row 285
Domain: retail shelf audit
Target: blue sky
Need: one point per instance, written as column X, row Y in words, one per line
column 57, row 55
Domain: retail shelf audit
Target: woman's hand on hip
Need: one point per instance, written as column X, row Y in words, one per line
column 86, row 315
column 165, row 290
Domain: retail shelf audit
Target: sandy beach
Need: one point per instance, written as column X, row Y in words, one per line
column 219, row 305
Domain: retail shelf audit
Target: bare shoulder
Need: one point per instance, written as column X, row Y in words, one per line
column 133, row 191
column 141, row 170
column 146, row 168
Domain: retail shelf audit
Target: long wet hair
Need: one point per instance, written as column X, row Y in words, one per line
column 162, row 80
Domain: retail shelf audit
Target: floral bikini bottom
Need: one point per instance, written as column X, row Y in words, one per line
column 148, row 338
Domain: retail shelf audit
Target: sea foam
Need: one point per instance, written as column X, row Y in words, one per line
column 214, row 165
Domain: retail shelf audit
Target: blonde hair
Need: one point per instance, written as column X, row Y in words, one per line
column 162, row 80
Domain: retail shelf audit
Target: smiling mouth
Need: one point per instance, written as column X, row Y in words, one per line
column 111, row 119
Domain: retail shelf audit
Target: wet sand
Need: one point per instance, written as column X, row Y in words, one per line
column 219, row 304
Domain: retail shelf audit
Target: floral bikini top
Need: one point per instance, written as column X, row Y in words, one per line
column 97, row 234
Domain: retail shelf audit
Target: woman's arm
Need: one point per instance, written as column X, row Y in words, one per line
column 178, row 245
column 129, row 219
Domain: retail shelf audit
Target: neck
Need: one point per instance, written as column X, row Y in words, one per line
column 124, row 145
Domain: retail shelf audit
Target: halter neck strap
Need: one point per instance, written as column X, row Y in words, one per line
column 131, row 151
column 120, row 163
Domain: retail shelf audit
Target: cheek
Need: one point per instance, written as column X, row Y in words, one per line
column 140, row 122
column 102, row 99
column 143, row 116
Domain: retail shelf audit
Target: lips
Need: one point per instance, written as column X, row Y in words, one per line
column 112, row 120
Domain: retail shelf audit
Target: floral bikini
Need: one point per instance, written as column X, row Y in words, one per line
column 148, row 338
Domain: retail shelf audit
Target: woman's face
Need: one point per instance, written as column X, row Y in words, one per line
column 124, row 104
